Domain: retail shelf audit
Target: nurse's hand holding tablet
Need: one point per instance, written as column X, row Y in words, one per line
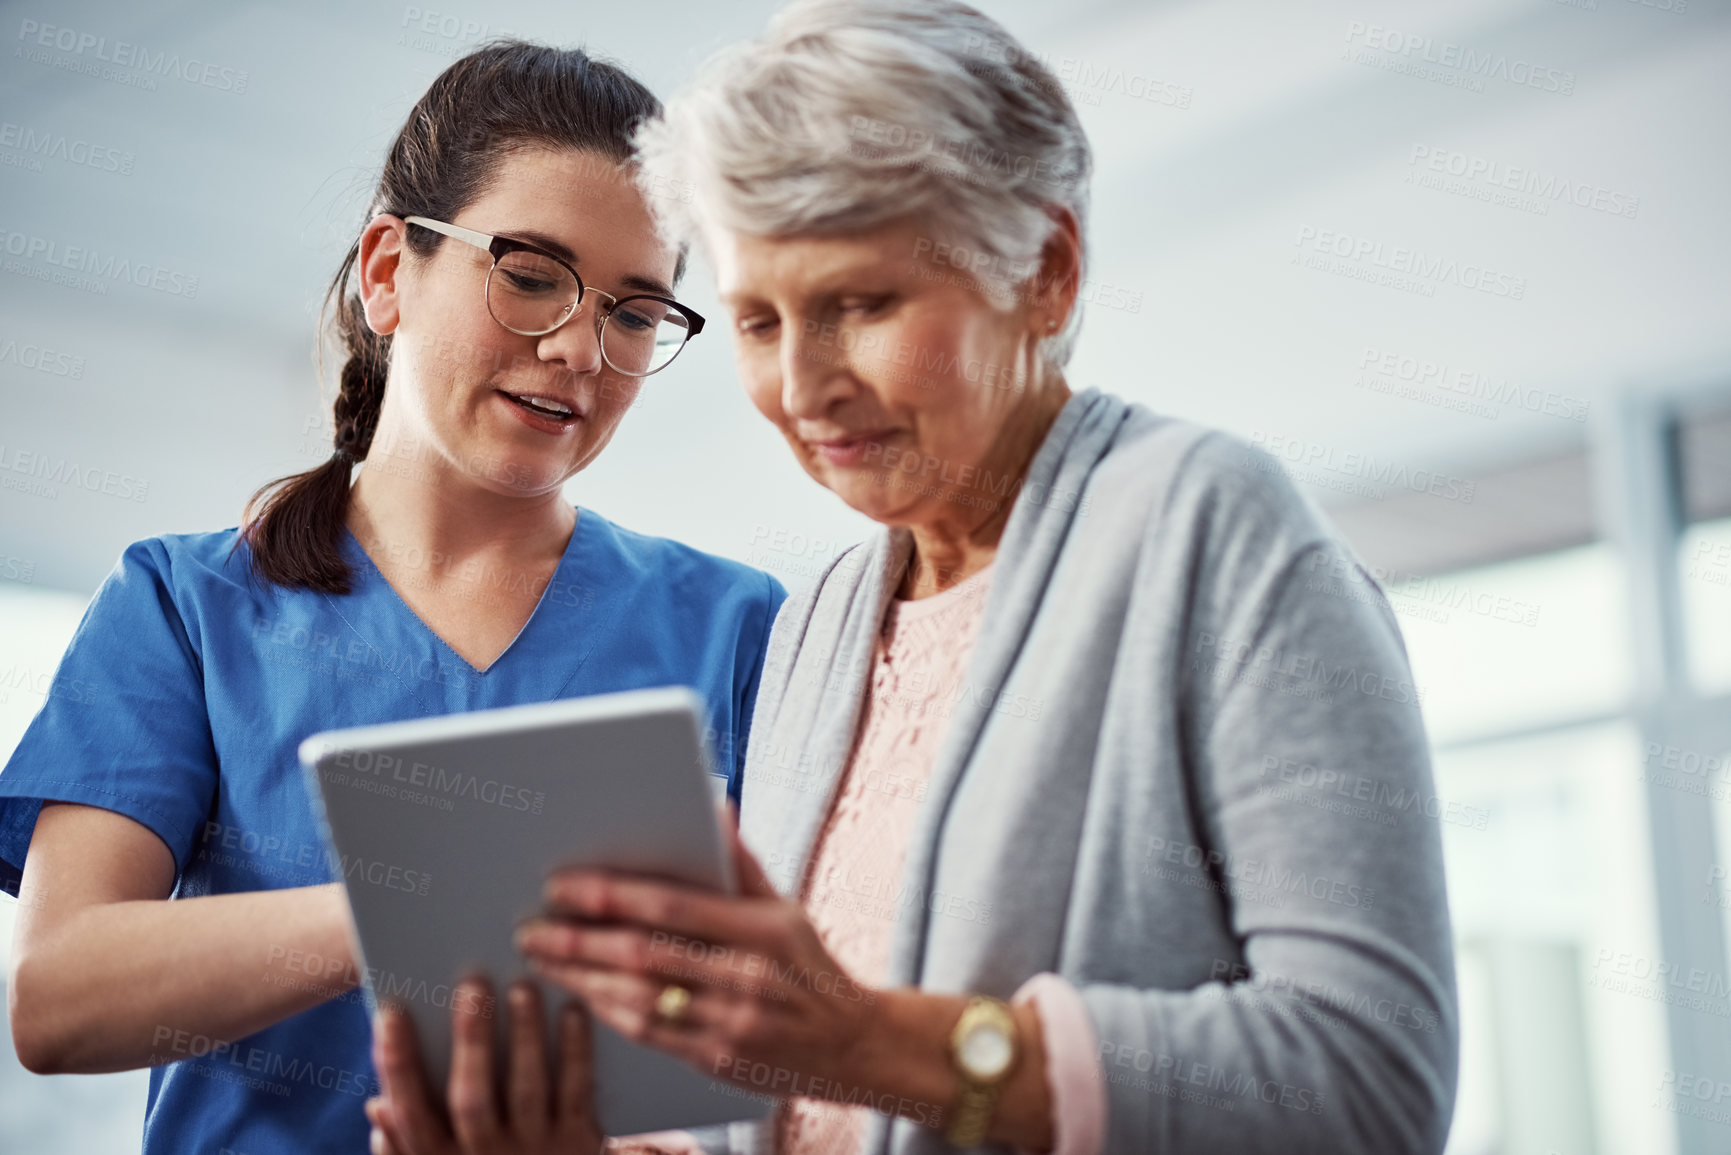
column 538, row 1113
column 502, row 307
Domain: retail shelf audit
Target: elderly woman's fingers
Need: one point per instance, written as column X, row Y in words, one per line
column 630, row 949
column 670, row 908
column 622, row 1001
column 527, row 1095
column 568, row 956
column 415, row 1124
column 633, row 1007
column 474, row 1106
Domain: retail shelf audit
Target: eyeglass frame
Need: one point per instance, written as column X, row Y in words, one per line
column 498, row 246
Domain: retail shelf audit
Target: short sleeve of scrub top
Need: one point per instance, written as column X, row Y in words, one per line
column 124, row 720
column 189, row 685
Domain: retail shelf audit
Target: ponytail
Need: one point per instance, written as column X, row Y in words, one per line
column 295, row 524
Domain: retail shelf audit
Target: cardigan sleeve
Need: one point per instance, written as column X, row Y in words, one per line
column 1334, row 1028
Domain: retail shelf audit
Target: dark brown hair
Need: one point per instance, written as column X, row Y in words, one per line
column 505, row 96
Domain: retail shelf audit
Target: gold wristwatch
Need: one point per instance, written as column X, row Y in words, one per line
column 984, row 1047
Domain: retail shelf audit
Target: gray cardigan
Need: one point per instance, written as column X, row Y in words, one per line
column 1187, row 772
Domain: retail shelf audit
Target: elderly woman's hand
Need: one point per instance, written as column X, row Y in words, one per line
column 542, row 1114
column 739, row 987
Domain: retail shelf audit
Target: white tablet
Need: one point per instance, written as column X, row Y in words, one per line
column 445, row 829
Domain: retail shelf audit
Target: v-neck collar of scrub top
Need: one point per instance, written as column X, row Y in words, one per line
column 384, row 619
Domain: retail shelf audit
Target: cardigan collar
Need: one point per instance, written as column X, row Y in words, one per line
column 1051, row 494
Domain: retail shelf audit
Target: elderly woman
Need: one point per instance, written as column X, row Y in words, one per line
column 1089, row 791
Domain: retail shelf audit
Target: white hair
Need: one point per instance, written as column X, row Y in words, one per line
column 850, row 114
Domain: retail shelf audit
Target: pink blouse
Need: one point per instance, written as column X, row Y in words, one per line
column 852, row 889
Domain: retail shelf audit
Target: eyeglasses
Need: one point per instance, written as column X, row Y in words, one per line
column 532, row 292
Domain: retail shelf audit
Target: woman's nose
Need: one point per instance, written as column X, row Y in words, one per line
column 813, row 373
column 576, row 345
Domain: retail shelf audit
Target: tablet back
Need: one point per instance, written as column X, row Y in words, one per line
column 444, row 830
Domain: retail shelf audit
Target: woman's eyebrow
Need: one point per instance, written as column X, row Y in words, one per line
column 824, row 285
column 645, row 285
column 542, row 241
column 563, row 252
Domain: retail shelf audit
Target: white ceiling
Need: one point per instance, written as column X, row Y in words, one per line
column 1196, row 215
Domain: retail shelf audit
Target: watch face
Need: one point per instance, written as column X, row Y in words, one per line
column 985, row 1051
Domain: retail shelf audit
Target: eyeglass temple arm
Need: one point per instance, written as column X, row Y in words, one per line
column 470, row 236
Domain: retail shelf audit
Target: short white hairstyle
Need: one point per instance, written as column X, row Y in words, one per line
column 850, row 114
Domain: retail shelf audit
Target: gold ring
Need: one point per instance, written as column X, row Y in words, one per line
column 672, row 1002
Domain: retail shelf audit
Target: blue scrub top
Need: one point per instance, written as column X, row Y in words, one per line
column 189, row 685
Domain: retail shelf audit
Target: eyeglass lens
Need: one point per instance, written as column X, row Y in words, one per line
column 531, row 294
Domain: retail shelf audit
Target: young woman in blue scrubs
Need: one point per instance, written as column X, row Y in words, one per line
column 500, row 312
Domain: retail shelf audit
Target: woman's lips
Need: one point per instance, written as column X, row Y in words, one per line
column 546, row 422
column 851, row 450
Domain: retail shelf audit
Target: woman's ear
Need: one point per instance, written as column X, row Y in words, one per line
column 1060, row 280
column 379, row 263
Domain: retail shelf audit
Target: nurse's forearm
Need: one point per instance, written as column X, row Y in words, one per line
column 118, row 985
